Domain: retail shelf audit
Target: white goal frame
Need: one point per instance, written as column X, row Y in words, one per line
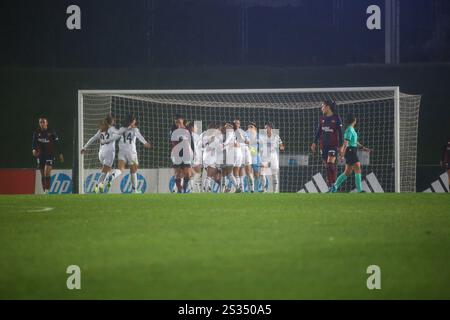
column 395, row 90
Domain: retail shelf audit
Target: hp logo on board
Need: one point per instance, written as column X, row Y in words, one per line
column 173, row 186
column 90, row 182
column 61, row 184
column 125, row 184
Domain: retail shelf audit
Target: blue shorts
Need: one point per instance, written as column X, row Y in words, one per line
column 256, row 163
column 328, row 152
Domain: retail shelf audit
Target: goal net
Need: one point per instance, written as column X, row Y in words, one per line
column 387, row 123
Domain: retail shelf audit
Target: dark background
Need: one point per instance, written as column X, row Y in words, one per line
column 152, row 44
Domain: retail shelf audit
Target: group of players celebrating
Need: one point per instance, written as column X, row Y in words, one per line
column 234, row 159
column 228, row 154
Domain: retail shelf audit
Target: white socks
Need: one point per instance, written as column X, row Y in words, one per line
column 113, row 174
column 101, row 179
column 233, row 180
column 262, row 182
column 133, row 180
column 251, row 181
column 197, row 180
column 275, row 183
column 238, row 182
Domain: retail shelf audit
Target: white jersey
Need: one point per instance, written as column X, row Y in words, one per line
column 127, row 140
column 269, row 147
column 242, row 138
column 107, row 139
column 210, row 146
column 182, row 147
column 229, row 146
column 198, row 148
column 107, row 151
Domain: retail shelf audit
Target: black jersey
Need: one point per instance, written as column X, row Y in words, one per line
column 46, row 142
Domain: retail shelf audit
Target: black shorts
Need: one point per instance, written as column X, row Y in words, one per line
column 45, row 160
column 181, row 166
column 328, row 151
column 351, row 155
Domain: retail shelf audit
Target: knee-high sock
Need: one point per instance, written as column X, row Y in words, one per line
column 218, row 181
column 238, row 181
column 340, row 180
column 358, row 182
column 208, row 183
column 331, row 173
column 275, row 182
column 262, row 182
column 102, row 177
column 179, row 186
column 250, row 180
column 198, row 181
column 113, row 175
column 185, row 184
column 133, row 180
column 232, row 179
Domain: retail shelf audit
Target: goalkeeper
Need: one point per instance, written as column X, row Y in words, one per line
column 329, row 138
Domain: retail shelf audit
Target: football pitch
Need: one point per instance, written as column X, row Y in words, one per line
column 225, row 246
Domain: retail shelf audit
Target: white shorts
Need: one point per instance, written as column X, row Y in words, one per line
column 246, row 156
column 198, row 158
column 238, row 157
column 130, row 158
column 271, row 167
column 106, row 157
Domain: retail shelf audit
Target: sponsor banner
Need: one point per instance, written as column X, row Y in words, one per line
column 17, row 181
column 149, row 181
column 318, row 185
column 441, row 185
column 61, row 182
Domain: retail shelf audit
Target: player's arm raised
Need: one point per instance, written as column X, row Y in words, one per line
column 141, row 138
column 90, row 141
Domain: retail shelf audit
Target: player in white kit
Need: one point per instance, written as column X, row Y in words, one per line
column 211, row 144
column 270, row 145
column 198, row 157
column 243, row 161
column 230, row 160
column 127, row 152
column 107, row 134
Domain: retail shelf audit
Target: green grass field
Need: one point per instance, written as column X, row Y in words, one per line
column 229, row 246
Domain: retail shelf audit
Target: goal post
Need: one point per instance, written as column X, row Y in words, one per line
column 387, row 122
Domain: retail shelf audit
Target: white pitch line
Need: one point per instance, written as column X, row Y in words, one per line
column 46, row 209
